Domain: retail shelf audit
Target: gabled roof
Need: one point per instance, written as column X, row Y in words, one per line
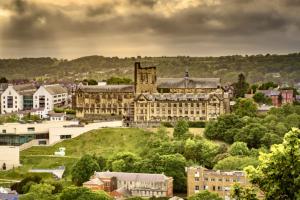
column 270, row 92
column 94, row 181
column 125, row 176
column 25, row 89
column 188, row 82
column 55, row 89
column 106, row 88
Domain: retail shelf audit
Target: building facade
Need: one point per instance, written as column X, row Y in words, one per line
column 49, row 96
column 132, row 184
column 153, row 99
column 16, row 98
column 216, row 181
column 279, row 97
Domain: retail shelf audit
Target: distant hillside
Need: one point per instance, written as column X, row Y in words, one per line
column 258, row 68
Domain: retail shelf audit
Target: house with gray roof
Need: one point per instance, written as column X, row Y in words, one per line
column 48, row 97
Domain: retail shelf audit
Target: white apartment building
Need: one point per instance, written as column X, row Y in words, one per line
column 16, row 98
column 49, row 96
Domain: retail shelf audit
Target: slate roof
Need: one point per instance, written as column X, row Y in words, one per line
column 107, row 88
column 188, row 82
column 55, row 89
column 125, row 176
column 176, row 96
column 25, row 89
column 9, row 196
column 270, row 92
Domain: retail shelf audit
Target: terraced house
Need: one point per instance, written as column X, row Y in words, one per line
column 151, row 99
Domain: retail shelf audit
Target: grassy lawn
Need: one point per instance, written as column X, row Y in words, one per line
column 101, row 142
column 195, row 131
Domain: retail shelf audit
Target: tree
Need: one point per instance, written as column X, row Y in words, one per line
column 252, row 135
column 243, row 193
column 24, row 185
column 268, row 85
column 201, row 152
column 90, row 82
column 239, row 149
column 180, row 129
column 260, row 98
column 171, row 165
column 82, row 193
column 3, row 80
column 83, row 169
column 101, row 161
column 225, row 128
column 205, row 195
column 236, row 163
column 123, row 161
column 245, row 107
column 240, row 87
column 278, row 174
column 40, row 192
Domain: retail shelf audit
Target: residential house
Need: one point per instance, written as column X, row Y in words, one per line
column 274, row 95
column 287, row 96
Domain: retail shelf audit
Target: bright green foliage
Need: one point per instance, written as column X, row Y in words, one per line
column 123, row 162
column 225, row 128
column 239, row 149
column 260, row 98
column 171, row 165
column 236, row 163
column 23, row 186
column 205, row 195
column 117, row 80
column 30, row 117
column 278, row 174
column 82, row 193
column 243, row 193
column 240, row 87
column 180, row 129
column 245, row 107
column 201, row 152
column 40, row 192
column 83, row 169
column 251, row 134
column 292, row 121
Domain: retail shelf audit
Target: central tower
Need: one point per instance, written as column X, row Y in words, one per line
column 144, row 79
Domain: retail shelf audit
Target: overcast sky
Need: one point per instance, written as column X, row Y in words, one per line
column 74, row 28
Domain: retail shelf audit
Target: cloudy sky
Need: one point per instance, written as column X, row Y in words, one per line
column 74, row 28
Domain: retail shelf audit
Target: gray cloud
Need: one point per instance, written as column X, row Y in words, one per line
column 138, row 24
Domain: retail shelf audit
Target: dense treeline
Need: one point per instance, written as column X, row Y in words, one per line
column 256, row 68
column 245, row 125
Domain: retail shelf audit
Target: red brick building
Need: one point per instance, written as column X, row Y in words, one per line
column 121, row 184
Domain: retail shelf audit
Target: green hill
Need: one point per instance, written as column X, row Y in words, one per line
column 103, row 142
column 258, row 68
